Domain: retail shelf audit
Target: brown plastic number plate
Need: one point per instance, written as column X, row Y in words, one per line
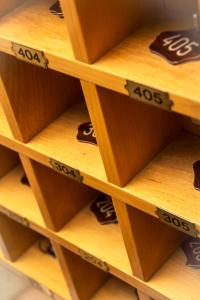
column 178, row 46
column 191, row 248
column 94, row 260
column 66, row 170
column 30, row 55
column 15, row 217
column 86, row 133
column 148, row 95
column 177, row 222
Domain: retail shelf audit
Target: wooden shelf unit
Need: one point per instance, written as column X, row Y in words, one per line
column 142, row 166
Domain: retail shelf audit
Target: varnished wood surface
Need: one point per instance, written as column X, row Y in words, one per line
column 162, row 285
column 43, row 269
column 131, row 59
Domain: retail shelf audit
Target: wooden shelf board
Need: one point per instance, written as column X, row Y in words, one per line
column 129, row 60
column 115, row 289
column 43, row 269
column 102, row 241
column 167, row 181
column 19, row 199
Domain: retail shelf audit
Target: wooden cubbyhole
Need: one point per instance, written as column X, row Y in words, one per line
column 86, row 281
column 9, row 159
column 129, row 133
column 21, row 249
column 33, row 97
column 59, row 197
column 90, row 40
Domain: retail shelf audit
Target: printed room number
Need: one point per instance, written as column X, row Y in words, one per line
column 30, row 55
column 66, row 170
column 177, row 222
column 180, row 44
column 148, row 95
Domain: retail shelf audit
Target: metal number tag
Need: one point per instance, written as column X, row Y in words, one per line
column 94, row 260
column 15, row 217
column 148, row 95
column 66, row 170
column 30, row 55
column 177, row 222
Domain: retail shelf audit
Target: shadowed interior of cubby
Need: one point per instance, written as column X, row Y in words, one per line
column 149, row 242
column 83, row 278
column 9, row 159
column 58, row 197
column 15, row 238
column 90, row 40
column 6, row 6
column 134, row 134
column 33, row 97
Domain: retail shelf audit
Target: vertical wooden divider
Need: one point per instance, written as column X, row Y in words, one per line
column 148, row 241
column 15, row 238
column 33, row 97
column 134, row 134
column 8, row 160
column 142, row 296
column 83, row 278
column 58, row 197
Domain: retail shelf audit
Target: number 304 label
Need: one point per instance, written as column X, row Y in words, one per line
column 30, row 55
column 148, row 95
column 177, row 222
column 178, row 46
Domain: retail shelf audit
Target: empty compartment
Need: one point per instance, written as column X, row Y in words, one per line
column 59, row 197
column 33, row 97
column 97, row 284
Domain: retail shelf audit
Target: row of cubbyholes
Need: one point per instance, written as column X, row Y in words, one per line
column 34, row 255
column 135, row 133
column 122, row 17
column 105, row 242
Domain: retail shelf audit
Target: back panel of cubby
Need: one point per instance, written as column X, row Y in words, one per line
column 8, row 159
column 96, row 26
column 8, row 5
column 33, row 97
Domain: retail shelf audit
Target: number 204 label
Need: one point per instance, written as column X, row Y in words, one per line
column 148, row 95
column 177, row 222
column 30, row 55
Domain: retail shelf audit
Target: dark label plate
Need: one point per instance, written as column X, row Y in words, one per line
column 86, row 133
column 191, row 248
column 57, row 10
column 148, row 95
column 196, row 168
column 178, row 46
column 177, row 222
column 104, row 210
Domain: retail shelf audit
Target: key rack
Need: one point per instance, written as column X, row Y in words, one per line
column 95, row 65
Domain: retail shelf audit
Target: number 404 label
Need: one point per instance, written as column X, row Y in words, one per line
column 30, row 55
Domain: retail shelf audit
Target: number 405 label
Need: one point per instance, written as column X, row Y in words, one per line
column 30, row 55
column 148, row 95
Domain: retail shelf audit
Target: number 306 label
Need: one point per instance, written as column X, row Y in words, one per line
column 30, row 55
column 148, row 95
column 178, row 46
column 177, row 222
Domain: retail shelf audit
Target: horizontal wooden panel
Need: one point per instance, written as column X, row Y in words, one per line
column 42, row 268
column 130, row 60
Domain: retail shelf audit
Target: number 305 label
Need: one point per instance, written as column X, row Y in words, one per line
column 148, row 95
column 177, row 222
column 30, row 55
